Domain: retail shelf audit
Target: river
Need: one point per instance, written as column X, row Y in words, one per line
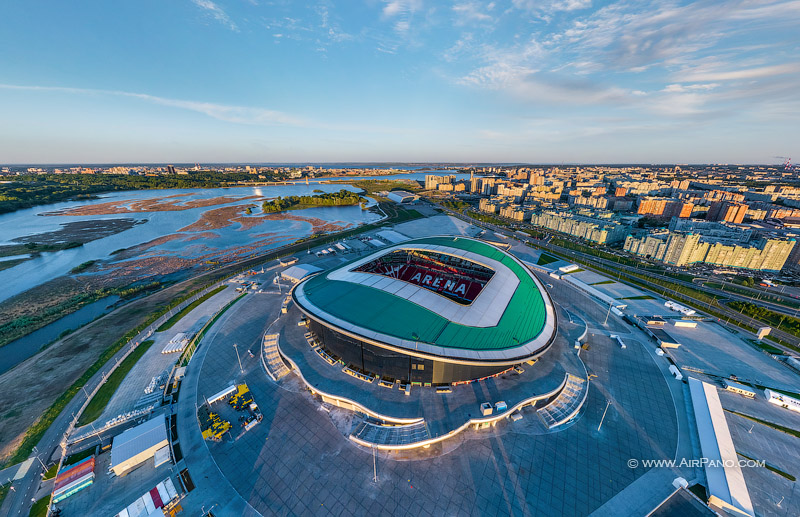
column 27, row 346
column 155, row 224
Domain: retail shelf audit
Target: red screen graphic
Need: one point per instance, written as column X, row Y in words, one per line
column 455, row 282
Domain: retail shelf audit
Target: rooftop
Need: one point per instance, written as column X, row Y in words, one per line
column 510, row 312
column 137, row 439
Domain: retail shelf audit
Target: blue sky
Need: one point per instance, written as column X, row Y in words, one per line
column 545, row 81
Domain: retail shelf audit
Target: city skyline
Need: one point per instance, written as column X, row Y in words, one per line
column 570, row 81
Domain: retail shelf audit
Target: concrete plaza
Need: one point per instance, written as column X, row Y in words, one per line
column 296, row 461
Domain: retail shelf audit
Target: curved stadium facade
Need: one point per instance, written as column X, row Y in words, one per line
column 435, row 310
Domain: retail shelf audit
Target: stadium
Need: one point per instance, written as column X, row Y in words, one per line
column 433, row 311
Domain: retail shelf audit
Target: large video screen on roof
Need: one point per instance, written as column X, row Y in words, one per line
column 453, row 277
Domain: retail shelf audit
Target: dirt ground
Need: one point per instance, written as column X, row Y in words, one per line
column 30, row 388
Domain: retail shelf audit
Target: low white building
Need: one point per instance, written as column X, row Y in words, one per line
column 138, row 444
column 299, row 272
column 401, row 196
column 727, row 489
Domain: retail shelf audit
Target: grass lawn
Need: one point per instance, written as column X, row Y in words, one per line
column 545, row 259
column 771, row 468
column 39, row 508
column 4, row 491
column 104, row 394
column 765, row 347
column 603, row 282
column 189, row 308
column 787, row 430
column 51, row 472
column 72, row 459
column 640, row 297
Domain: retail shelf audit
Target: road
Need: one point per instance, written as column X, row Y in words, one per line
column 18, row 501
column 625, row 272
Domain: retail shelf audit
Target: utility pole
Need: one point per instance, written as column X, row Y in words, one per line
column 239, row 358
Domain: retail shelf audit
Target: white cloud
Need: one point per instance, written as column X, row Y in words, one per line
column 551, row 6
column 748, row 73
column 472, row 11
column 224, row 112
column 679, row 104
column 400, row 7
column 682, row 88
column 217, row 13
column 403, row 10
column 694, row 58
column 642, row 34
column 461, row 46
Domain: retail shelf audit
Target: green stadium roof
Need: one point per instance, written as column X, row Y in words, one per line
column 523, row 320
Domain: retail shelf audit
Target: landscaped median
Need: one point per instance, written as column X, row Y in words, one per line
column 39, row 508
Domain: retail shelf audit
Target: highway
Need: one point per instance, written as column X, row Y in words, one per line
column 624, row 272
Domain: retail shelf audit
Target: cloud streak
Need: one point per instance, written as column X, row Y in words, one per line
column 223, row 112
column 470, row 12
column 651, row 56
column 217, row 13
column 402, row 12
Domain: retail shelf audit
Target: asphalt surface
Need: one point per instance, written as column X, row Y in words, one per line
column 297, row 462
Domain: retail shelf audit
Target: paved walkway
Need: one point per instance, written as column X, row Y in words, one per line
column 443, row 413
column 212, row 487
column 296, row 461
column 153, row 362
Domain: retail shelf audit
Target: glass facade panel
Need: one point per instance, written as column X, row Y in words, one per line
column 399, row 366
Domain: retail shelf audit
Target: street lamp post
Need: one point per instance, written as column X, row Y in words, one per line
column 374, row 465
column 604, row 415
column 38, row 458
column 607, row 313
column 239, row 358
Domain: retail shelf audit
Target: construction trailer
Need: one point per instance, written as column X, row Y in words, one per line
column 741, row 389
column 784, row 401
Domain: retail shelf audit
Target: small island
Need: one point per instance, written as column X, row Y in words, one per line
column 340, row 198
